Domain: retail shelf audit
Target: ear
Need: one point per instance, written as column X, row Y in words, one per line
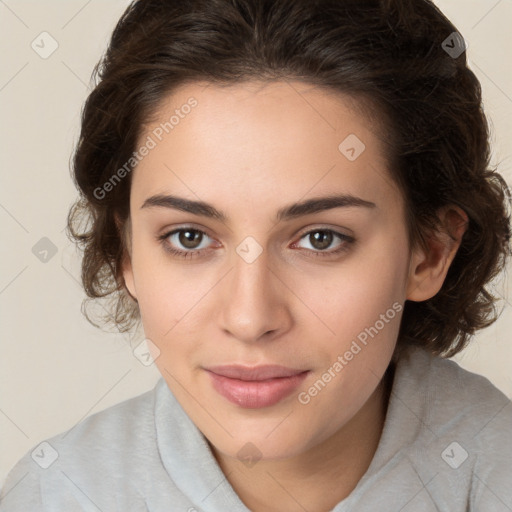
column 124, row 230
column 428, row 268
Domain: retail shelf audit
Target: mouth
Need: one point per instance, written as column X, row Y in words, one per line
column 255, row 387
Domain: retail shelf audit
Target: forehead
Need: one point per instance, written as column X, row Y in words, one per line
column 257, row 139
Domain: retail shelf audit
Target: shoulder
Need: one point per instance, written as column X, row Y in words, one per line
column 454, row 396
column 463, row 435
column 107, row 433
column 98, row 449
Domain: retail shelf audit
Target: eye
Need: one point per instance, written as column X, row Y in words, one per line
column 188, row 238
column 322, row 239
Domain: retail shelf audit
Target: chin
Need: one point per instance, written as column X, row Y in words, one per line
column 263, row 446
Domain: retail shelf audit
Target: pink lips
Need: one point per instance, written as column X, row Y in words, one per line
column 256, row 387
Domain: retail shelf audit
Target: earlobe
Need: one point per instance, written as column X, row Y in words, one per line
column 428, row 266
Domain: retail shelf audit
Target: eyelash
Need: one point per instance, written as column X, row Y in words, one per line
column 347, row 241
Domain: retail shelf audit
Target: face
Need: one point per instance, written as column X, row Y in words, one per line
column 268, row 273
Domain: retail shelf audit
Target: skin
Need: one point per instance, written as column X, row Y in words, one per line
column 250, row 149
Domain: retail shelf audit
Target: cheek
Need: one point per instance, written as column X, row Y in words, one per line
column 161, row 296
column 362, row 305
column 172, row 301
column 363, row 287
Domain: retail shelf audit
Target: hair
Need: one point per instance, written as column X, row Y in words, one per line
column 388, row 55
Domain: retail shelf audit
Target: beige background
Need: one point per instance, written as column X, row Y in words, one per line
column 55, row 368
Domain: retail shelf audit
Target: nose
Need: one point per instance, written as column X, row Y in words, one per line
column 254, row 302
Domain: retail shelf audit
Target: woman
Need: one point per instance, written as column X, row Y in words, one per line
column 294, row 199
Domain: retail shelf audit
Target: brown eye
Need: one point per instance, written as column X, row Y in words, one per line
column 185, row 242
column 190, row 238
column 321, row 239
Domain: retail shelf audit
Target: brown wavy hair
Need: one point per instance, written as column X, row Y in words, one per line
column 388, row 54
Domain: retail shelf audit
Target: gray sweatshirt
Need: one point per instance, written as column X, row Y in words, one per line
column 446, row 446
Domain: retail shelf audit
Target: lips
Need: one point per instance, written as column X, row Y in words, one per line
column 255, row 387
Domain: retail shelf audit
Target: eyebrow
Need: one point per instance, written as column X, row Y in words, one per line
column 293, row 211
